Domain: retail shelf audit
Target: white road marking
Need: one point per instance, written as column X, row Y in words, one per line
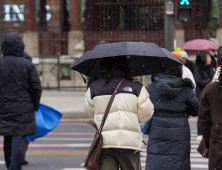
column 199, row 166
column 2, row 162
column 79, row 145
column 199, row 160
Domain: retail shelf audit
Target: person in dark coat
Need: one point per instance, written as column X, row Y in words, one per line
column 213, row 58
column 210, row 122
column 169, row 138
column 20, row 92
column 203, row 75
column 26, row 56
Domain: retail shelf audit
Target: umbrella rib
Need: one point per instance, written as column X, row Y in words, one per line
column 159, row 64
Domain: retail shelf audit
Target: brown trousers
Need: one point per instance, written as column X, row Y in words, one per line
column 114, row 158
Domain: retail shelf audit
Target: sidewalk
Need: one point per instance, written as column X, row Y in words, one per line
column 69, row 103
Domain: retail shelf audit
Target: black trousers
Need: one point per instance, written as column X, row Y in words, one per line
column 14, row 150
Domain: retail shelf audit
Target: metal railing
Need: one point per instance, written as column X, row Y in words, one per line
column 55, row 74
column 51, row 43
column 92, row 38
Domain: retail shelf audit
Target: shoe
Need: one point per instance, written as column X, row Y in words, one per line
column 25, row 162
column 199, row 138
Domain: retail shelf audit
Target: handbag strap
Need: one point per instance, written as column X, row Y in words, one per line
column 157, row 103
column 109, row 106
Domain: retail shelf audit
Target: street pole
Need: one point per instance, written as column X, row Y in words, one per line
column 58, row 57
column 169, row 25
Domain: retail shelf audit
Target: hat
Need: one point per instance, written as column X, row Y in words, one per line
column 177, row 55
column 184, row 54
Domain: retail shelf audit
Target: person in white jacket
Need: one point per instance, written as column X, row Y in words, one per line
column 122, row 137
column 186, row 71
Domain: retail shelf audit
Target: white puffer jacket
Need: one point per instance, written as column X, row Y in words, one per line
column 130, row 107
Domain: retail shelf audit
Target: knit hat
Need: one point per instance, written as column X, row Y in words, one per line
column 177, row 55
column 184, row 54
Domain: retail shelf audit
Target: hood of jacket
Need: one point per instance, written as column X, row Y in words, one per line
column 12, row 45
column 169, row 86
column 26, row 56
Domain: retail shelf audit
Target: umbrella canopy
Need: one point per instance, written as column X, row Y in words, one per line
column 143, row 58
column 170, row 55
column 199, row 44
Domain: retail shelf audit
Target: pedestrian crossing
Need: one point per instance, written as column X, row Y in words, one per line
column 197, row 162
column 77, row 145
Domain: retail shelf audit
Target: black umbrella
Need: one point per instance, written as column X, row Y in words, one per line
column 170, row 55
column 143, row 58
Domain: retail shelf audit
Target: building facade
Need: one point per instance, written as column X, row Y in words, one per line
column 54, row 21
column 52, row 28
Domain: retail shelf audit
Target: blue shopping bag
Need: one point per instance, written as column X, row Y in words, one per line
column 146, row 127
column 46, row 119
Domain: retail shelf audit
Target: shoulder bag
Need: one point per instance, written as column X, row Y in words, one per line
column 92, row 159
column 146, row 127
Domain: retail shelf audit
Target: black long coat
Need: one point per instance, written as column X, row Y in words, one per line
column 20, row 89
column 210, row 116
column 203, row 75
column 169, row 139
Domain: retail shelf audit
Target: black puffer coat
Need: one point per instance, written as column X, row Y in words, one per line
column 169, row 139
column 20, row 89
column 203, row 75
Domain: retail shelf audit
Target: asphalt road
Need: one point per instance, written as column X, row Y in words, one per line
column 66, row 148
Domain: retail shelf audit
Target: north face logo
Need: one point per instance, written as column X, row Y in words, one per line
column 128, row 89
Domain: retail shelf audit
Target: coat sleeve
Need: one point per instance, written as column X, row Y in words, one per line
column 198, row 79
column 145, row 106
column 35, row 87
column 192, row 103
column 89, row 106
column 204, row 116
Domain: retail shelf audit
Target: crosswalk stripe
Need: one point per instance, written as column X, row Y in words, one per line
column 199, row 160
column 194, row 146
column 195, row 155
column 199, row 166
column 63, row 139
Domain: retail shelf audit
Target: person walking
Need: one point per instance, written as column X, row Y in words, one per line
column 185, row 59
column 20, row 92
column 219, row 63
column 213, row 58
column 169, row 137
column 210, row 122
column 203, row 75
column 186, row 73
column 122, row 137
column 26, row 56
